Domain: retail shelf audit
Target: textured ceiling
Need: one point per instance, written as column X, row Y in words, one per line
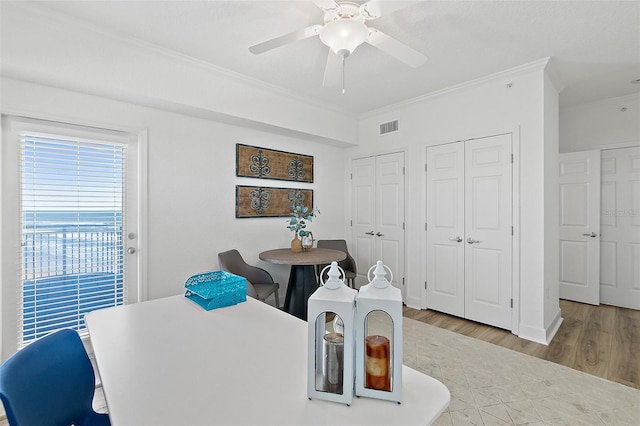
column 595, row 46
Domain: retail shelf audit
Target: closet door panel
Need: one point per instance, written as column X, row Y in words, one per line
column 579, row 182
column 390, row 214
column 445, row 228
column 363, row 212
column 620, row 227
column 488, row 221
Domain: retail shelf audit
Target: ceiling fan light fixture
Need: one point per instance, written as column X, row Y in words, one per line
column 344, row 35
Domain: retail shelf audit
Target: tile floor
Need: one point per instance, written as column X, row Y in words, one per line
column 491, row 385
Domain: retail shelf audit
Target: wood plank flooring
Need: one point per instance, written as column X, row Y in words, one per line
column 600, row 340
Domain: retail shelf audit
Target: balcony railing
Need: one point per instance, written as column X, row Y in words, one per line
column 68, row 271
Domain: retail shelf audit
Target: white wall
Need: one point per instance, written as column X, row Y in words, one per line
column 82, row 58
column 191, row 187
column 597, row 124
column 511, row 102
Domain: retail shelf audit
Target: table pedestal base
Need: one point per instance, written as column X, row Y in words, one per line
column 302, row 284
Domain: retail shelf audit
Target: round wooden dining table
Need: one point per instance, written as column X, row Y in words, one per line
column 302, row 278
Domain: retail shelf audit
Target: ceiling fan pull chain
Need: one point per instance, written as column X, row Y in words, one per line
column 343, row 58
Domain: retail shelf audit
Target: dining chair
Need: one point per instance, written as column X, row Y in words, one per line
column 348, row 264
column 260, row 283
column 50, row 381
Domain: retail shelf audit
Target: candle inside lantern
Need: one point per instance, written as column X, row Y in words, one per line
column 377, row 363
column 333, row 362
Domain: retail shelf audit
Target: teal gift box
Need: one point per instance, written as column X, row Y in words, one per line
column 216, row 289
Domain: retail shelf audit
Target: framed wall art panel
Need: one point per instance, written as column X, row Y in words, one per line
column 263, row 163
column 264, row 201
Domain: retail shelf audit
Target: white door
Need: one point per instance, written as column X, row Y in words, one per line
column 469, row 229
column 76, row 211
column 363, row 181
column 389, row 237
column 620, row 227
column 488, row 230
column 445, row 228
column 580, row 226
column 378, row 214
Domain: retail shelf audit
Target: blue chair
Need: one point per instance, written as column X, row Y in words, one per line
column 50, row 382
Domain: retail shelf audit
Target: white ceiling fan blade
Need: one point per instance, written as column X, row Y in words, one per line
column 285, row 39
column 393, row 47
column 326, row 5
column 333, row 71
column 373, row 9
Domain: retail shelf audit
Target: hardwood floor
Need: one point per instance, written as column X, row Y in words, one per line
column 600, row 340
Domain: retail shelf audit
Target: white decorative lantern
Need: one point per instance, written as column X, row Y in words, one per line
column 378, row 342
column 330, row 313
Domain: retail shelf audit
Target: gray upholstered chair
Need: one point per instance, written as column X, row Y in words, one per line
column 260, row 283
column 348, row 264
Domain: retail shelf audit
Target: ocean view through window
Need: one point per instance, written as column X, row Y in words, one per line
column 72, row 214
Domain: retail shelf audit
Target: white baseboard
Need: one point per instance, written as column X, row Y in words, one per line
column 541, row 335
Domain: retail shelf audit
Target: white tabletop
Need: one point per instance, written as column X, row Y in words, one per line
column 170, row 362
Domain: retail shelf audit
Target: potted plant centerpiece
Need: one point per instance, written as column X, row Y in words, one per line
column 298, row 222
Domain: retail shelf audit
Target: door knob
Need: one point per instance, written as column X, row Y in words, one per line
column 456, row 239
column 379, row 234
column 131, row 250
column 591, row 234
column 470, row 241
column 369, row 233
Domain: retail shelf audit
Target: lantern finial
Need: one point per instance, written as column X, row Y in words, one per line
column 379, row 276
column 333, row 282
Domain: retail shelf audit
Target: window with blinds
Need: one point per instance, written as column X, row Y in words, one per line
column 72, row 208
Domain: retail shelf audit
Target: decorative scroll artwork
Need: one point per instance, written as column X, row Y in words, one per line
column 262, row 163
column 264, row 201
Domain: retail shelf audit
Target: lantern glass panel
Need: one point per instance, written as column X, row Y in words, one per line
column 329, row 353
column 378, row 353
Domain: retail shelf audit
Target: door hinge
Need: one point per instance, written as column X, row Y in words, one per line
column 351, row 223
column 351, row 176
column 512, row 230
column 403, row 281
column 403, row 173
column 511, row 158
column 425, row 226
column 425, row 167
column 511, row 303
column 403, row 226
column 425, row 285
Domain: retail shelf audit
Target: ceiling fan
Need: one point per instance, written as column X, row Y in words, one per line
column 344, row 30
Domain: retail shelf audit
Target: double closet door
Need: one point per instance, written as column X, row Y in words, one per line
column 377, row 198
column 469, row 229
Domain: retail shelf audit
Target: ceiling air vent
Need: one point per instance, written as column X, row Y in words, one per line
column 391, row 126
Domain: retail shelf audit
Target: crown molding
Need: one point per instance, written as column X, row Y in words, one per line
column 538, row 65
column 68, row 22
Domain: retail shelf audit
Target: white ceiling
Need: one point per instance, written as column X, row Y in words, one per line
column 595, row 46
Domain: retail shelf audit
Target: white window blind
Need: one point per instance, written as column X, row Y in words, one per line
column 72, row 208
